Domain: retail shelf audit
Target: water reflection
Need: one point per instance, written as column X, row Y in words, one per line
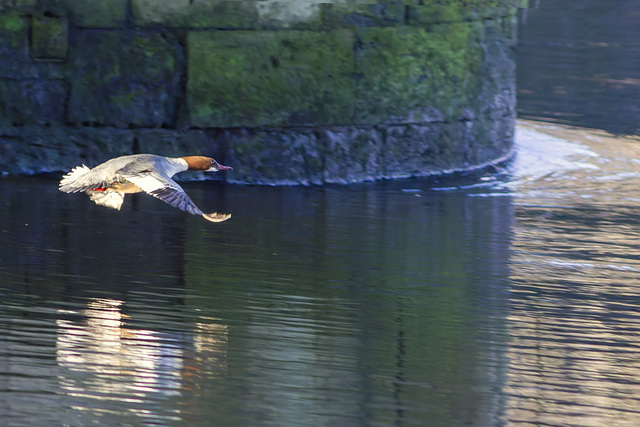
column 358, row 300
column 107, row 360
column 503, row 298
column 104, row 360
column 337, row 304
column 574, row 317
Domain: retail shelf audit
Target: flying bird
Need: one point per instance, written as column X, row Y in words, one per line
column 107, row 183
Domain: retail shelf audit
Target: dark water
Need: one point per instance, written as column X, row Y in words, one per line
column 579, row 63
column 507, row 299
column 311, row 306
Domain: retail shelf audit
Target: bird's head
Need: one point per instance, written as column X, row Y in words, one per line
column 202, row 163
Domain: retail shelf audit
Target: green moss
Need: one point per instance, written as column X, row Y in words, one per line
column 199, row 14
column 124, row 99
column 11, row 22
column 153, row 52
column 270, row 78
column 13, row 29
column 94, row 14
column 447, row 11
column 408, row 72
column 369, row 75
column 49, row 37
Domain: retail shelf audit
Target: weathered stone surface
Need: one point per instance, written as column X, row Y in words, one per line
column 352, row 154
column 36, row 149
column 287, row 78
column 95, row 14
column 419, row 150
column 49, row 37
column 330, row 92
column 438, row 11
column 298, row 15
column 14, row 36
column 341, row 15
column 275, row 157
column 124, row 79
column 32, row 101
column 490, row 143
column 195, row 13
column 25, row 3
column 15, row 59
column 170, row 143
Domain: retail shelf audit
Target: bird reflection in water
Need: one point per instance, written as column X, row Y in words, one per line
column 105, row 359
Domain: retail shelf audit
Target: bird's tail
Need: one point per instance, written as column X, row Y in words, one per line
column 69, row 183
column 109, row 198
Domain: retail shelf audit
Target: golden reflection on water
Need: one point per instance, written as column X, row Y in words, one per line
column 575, row 331
column 106, row 360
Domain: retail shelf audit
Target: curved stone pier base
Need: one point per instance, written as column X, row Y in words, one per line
column 285, row 92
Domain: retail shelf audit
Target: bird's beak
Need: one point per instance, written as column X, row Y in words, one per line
column 224, row 168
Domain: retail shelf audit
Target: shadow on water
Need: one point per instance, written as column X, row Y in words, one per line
column 578, row 64
column 374, row 304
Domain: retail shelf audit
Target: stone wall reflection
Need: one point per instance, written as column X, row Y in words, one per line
column 399, row 296
column 317, row 304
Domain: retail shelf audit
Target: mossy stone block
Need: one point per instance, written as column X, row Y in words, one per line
column 293, row 15
column 409, row 75
column 15, row 53
column 422, row 150
column 124, row 79
column 273, row 156
column 36, row 149
column 362, row 15
column 248, row 78
column 13, row 32
column 24, row 102
column 352, row 154
column 168, row 142
column 195, row 13
column 25, row 3
column 49, row 37
column 95, row 14
column 448, row 11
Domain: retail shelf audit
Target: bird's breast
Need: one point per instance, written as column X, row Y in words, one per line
column 126, row 187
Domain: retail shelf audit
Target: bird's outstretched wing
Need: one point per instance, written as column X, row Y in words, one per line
column 165, row 189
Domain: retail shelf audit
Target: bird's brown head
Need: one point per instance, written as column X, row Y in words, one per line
column 202, row 163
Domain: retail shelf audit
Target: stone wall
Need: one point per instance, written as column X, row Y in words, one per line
column 285, row 92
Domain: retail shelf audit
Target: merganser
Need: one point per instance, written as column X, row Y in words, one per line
column 107, row 183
